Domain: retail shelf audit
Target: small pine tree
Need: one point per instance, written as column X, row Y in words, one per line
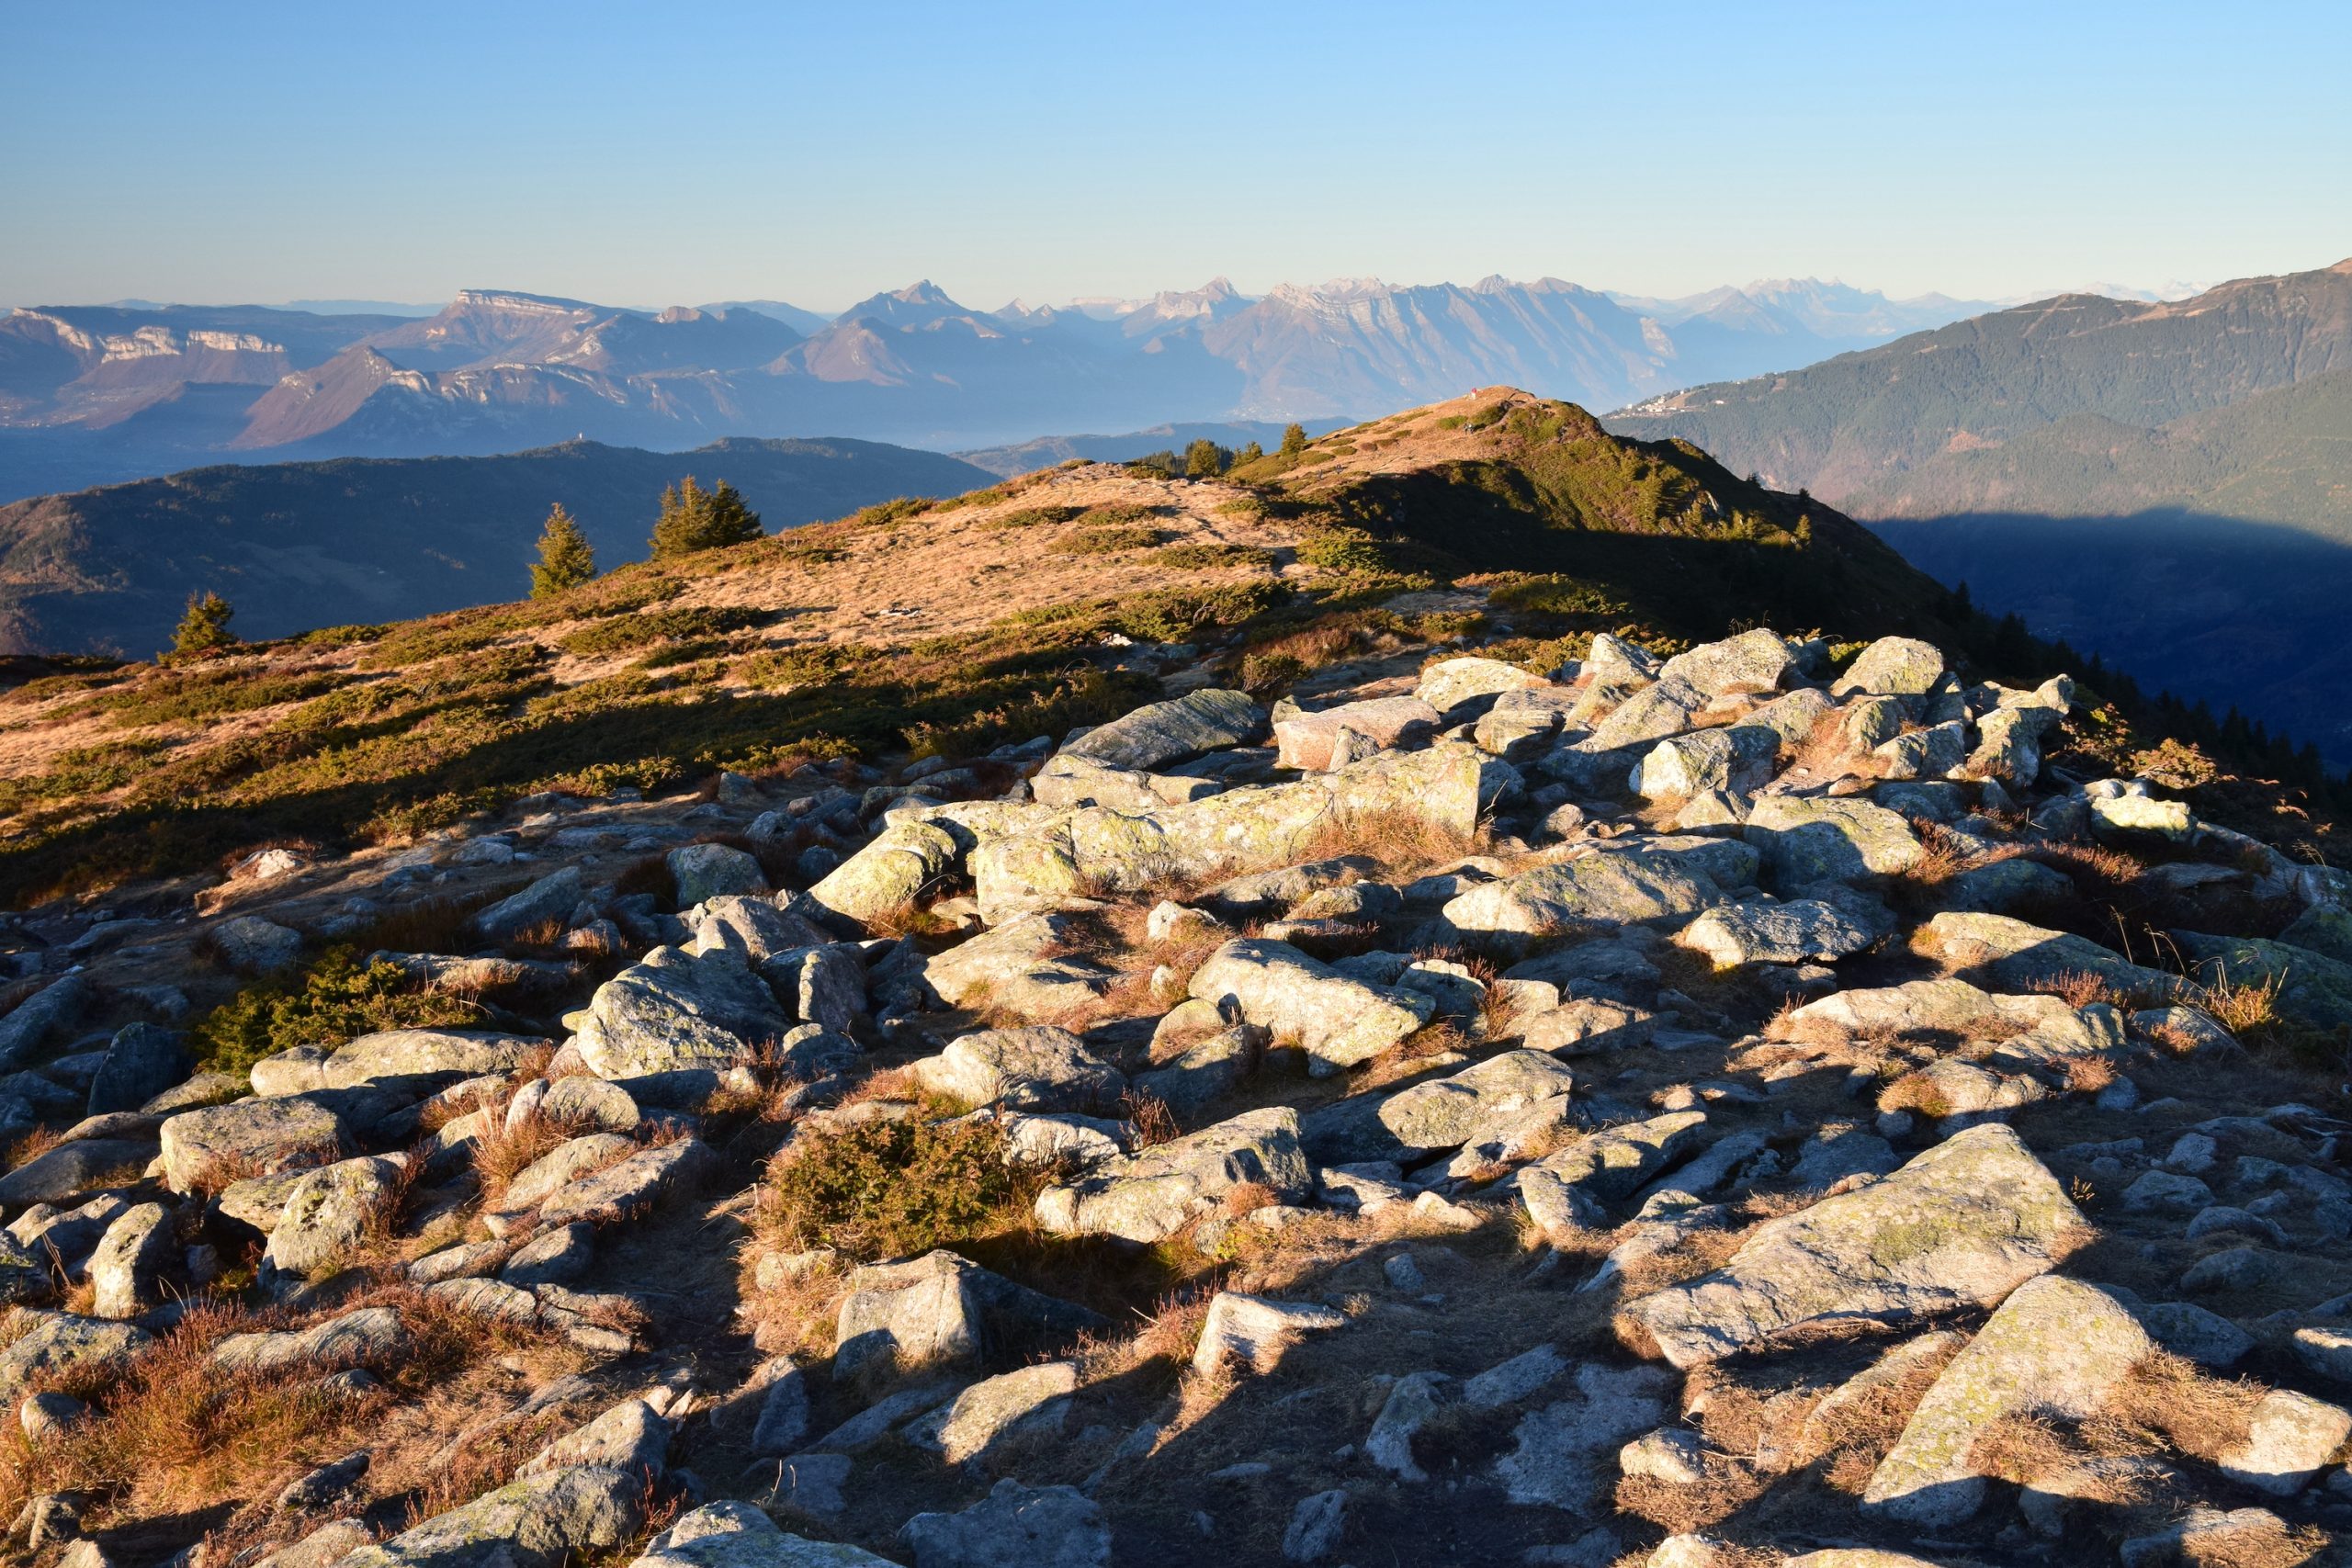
column 694, row 519
column 1250, row 454
column 205, row 625
column 566, row 558
column 1204, row 460
column 1294, row 440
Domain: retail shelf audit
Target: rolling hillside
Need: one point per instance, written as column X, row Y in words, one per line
column 299, row 545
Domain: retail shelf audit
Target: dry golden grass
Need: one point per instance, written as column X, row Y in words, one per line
column 1915, row 1092
column 1684, row 1508
column 2165, row 1399
column 2079, row 990
column 501, row 1152
column 171, row 1433
column 1403, row 840
column 1856, row 1433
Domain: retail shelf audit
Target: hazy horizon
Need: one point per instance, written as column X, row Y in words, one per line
column 279, row 152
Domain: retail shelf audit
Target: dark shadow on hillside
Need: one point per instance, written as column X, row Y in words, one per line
column 2224, row 610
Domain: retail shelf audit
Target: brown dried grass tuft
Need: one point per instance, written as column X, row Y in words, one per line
column 2166, row 1398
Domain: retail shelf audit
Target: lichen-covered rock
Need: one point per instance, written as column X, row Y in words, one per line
column 124, row 1271
column 1603, row 1167
column 1524, row 722
column 889, row 874
column 1442, row 1114
column 622, row 1189
column 1019, row 966
column 1036, row 1068
column 551, row 898
column 1177, row 730
column 1026, row 1403
column 143, row 1060
column 631, row 1436
column 2018, row 956
column 1014, row 1527
column 1796, row 933
column 65, row 1173
column 941, row 1309
column 1462, row 682
column 1831, row 840
column 1336, row 1021
column 1682, row 766
column 1560, row 1454
column 1632, row 888
column 1308, row 741
column 2136, row 815
column 1061, row 853
column 217, row 1143
column 1586, row 1027
column 713, row 870
column 1893, row 666
column 1254, row 1331
column 364, row 1337
column 46, row 1013
column 2056, row 1347
column 729, row 1534
column 539, row 1521
column 2311, row 984
column 252, row 945
column 1205, row 1071
column 2289, row 1438
column 417, row 1056
column 1648, row 714
column 674, row 1011
column 1150, row 1195
column 328, row 1214
column 1757, row 661
column 1960, row 1225
column 751, row 928
column 59, row 1340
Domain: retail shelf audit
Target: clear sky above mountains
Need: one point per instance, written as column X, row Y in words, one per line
column 643, row 155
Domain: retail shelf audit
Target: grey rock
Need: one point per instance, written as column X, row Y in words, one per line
column 1337, row 1021
column 141, row 1061
column 1014, row 1527
column 1315, row 1526
column 129, row 1260
column 941, row 1309
column 41, row 1016
column 1962, row 1224
column 539, row 1521
column 252, row 945
column 675, row 1010
column 1036, row 1068
column 1150, row 1195
column 714, row 871
column 1159, row 733
column 551, row 897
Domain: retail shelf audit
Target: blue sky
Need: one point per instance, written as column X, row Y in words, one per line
column 656, row 155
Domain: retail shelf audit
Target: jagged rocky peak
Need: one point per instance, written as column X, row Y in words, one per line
column 1671, row 1103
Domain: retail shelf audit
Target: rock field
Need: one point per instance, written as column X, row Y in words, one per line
column 1734, row 1110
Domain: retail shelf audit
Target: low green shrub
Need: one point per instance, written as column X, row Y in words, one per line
column 335, row 1000
column 879, row 1190
column 1110, row 541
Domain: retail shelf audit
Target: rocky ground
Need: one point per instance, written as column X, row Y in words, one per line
column 1739, row 1110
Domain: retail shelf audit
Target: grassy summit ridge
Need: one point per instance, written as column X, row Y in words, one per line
column 941, row 625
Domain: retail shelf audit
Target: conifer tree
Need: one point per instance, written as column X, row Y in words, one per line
column 205, row 625
column 1204, row 460
column 566, row 558
column 1294, row 440
column 694, row 519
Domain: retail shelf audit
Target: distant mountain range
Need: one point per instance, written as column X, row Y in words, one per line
column 91, row 393
column 2166, row 482
column 299, row 545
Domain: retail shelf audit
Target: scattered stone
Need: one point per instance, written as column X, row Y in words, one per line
column 1254, row 1331
column 1149, row 1196
column 1961, row 1225
column 1036, row 1068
